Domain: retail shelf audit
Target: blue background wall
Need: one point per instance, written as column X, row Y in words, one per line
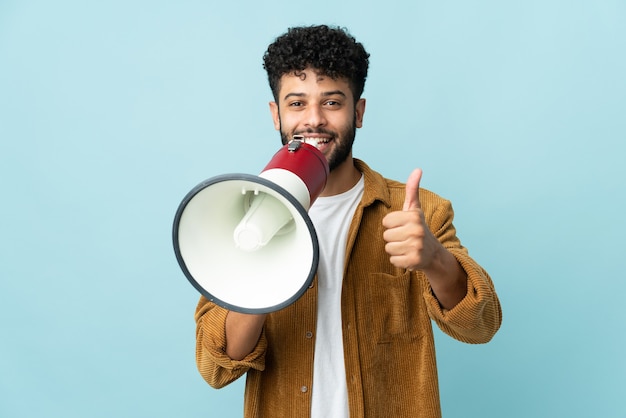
column 110, row 112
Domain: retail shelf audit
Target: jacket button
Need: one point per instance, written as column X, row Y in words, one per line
column 303, row 389
column 309, row 334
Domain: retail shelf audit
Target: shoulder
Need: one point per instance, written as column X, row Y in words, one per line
column 428, row 198
column 392, row 192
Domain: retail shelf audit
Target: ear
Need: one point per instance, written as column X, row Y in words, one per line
column 275, row 115
column 359, row 110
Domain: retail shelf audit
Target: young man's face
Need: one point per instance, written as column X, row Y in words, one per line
column 318, row 107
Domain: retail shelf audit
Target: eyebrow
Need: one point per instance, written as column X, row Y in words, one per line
column 324, row 94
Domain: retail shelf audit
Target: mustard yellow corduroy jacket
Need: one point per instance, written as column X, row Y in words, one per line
column 386, row 314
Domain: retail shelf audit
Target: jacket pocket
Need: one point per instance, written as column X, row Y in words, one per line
column 398, row 310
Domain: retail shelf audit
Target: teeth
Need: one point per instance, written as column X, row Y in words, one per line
column 317, row 141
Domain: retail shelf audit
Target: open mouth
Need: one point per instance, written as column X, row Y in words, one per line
column 319, row 143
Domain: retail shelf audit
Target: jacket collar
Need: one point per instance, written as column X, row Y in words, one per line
column 375, row 185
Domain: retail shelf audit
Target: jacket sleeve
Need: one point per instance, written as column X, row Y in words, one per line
column 213, row 364
column 478, row 316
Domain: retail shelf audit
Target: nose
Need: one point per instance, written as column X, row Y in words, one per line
column 315, row 117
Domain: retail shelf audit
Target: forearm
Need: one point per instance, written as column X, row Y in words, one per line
column 242, row 333
column 477, row 317
column 215, row 366
column 447, row 279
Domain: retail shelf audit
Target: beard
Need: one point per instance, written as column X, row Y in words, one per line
column 342, row 142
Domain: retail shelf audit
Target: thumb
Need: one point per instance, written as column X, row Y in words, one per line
column 412, row 199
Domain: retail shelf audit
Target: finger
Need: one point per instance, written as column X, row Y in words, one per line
column 395, row 219
column 412, row 199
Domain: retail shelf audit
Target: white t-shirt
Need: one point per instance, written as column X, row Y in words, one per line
column 331, row 217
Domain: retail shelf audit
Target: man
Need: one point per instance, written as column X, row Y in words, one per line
column 359, row 342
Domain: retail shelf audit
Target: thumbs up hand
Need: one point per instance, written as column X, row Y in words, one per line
column 409, row 242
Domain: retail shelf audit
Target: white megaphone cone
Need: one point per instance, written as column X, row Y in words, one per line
column 246, row 242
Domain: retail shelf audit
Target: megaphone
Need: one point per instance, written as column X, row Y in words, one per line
column 246, row 242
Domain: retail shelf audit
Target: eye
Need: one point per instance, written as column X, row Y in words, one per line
column 332, row 103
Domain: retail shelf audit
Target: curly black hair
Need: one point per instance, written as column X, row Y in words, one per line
column 331, row 51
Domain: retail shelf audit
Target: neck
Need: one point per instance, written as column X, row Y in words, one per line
column 342, row 178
